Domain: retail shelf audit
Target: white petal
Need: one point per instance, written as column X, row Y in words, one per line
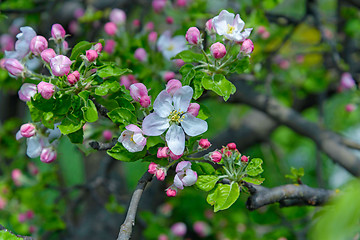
column 190, row 178
column 33, row 147
column 182, row 98
column 193, row 126
column 131, row 146
column 163, row 104
column 222, row 21
column 139, row 139
column 125, row 134
column 182, row 166
column 238, row 23
column 175, row 139
column 133, row 128
column 177, row 182
column 18, row 135
column 154, row 125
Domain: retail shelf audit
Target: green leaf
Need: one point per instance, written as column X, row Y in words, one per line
column 84, row 95
column 254, row 168
column 240, row 66
column 124, row 103
column 256, row 181
column 206, row 182
column 220, row 85
column 4, row 234
column 204, row 112
column 79, row 49
column 190, row 56
column 111, row 71
column 43, row 104
column 106, row 87
column 77, row 137
column 120, row 153
column 187, row 73
column 198, row 87
column 62, row 105
column 223, row 196
column 203, row 168
column 71, row 124
column 90, row 111
column 122, row 115
column 48, row 119
column 153, row 140
column 35, row 113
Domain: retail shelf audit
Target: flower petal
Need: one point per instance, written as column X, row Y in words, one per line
column 193, row 126
column 163, row 105
column 177, row 182
column 125, row 134
column 238, row 23
column 221, row 22
column 154, row 125
column 33, row 147
column 182, row 98
column 175, row 139
column 131, row 146
column 183, row 165
column 139, row 139
column 133, row 128
column 190, row 178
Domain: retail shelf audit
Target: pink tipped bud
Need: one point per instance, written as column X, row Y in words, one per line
column 72, row 78
column 27, row 130
column 16, row 176
column 60, row 65
column 215, row 156
column 98, row 47
column 91, row 55
column 261, row 30
column 244, row 158
column 231, row 146
column 179, row 63
column 65, row 45
column 127, row 81
column 158, row 5
column 57, row 32
column 247, row 47
column 168, row 76
column 140, row 54
column 161, row 174
column 218, row 50
column 228, row 153
column 48, row 155
column 136, row 23
column 137, row 91
column 77, row 75
column 107, row 135
column 117, row 16
column 209, row 27
column 152, row 37
column 350, row 107
column 181, row 3
column 29, row 214
column 347, row 82
column 47, row 54
column 204, row 143
column 163, row 152
column 169, row 20
column 172, row 86
column 14, row 67
column 193, row 36
column 170, row 192
column 194, row 109
column 109, row 46
column 175, row 157
column 153, row 167
column 22, row 217
column 179, row 229
column 46, row 89
column 145, row 101
column 27, row 91
column 149, row 26
column 110, row 28
column 38, row 44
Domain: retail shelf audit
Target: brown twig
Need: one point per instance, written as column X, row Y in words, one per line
column 103, row 146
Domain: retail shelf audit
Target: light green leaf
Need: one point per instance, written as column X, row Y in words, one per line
column 190, row 56
column 90, row 111
column 220, row 85
column 4, row 234
column 70, row 124
column 254, row 168
column 79, row 49
column 207, row 182
column 106, row 87
column 111, row 71
column 124, row 103
column 187, row 73
column 120, row 153
column 203, row 168
column 122, row 115
column 256, row 181
column 223, row 196
column 198, row 87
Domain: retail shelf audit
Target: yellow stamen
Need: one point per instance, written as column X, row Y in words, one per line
column 230, row 29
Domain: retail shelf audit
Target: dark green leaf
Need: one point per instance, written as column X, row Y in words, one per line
column 106, row 87
column 124, row 103
column 120, row 153
column 79, row 49
column 202, row 168
column 77, row 137
column 187, row 73
column 190, row 56
column 43, row 104
column 122, row 115
column 62, row 105
column 71, row 124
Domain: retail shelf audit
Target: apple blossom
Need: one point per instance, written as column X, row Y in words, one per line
column 194, row 109
column 201, row 228
column 57, row 32
column 16, row 176
column 14, row 67
column 204, row 143
column 168, row 76
column 22, row 45
column 215, row 156
column 163, row 237
column 350, row 107
column 132, row 138
column 91, row 55
column 181, row 3
column 127, row 80
column 98, row 47
column 193, row 36
column 46, row 89
column 152, row 37
column 140, row 54
column 136, row 23
column 171, row 192
column 172, row 86
column 109, row 46
column 33, row 169
column 218, row 50
column 21, row 217
column 74, row 27
column 185, row 176
column 27, row 91
column 110, row 28
column 347, row 82
column 209, row 28
column 170, row 46
column 161, row 174
column 170, row 112
column 47, row 54
column 158, row 5
column 231, row 146
column 60, row 65
column 174, row 156
column 117, row 16
column 48, row 155
column 6, row 42
column 149, row 26
column 244, row 158
column 27, row 130
column 73, row 77
column 230, row 26
column 179, row 229
column 3, row 203
column 139, row 93
column 247, row 47
column 169, row 20
column 107, row 135
column 38, row 44
column 153, row 167
column 163, row 152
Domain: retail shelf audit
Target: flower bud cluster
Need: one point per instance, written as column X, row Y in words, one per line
column 184, row 177
column 157, row 170
column 139, row 93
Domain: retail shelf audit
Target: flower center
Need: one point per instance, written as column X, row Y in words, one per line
column 230, row 29
column 170, row 47
column 176, row 117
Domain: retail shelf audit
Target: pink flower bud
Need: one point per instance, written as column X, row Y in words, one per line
column 98, row 47
column 57, row 32
column 109, row 46
column 215, row 156
column 107, row 135
column 204, row 143
column 138, row 90
column 163, row 152
column 48, row 54
column 29, row 214
column 247, row 47
column 181, row 3
column 110, row 28
column 117, row 16
column 27, row 91
column 179, row 63
column 350, row 107
column 193, row 36
column 172, row 86
column 2, row 63
column 127, row 81
column 201, row 228
column 46, row 89
column 73, row 27
column 16, row 176
column 38, row 44
column 169, row 20
column 145, row 101
column 14, row 67
column 347, row 82
column 91, row 55
column 22, row 217
column 228, row 153
column 179, row 229
column 175, row 157
column 284, row 64
column 60, row 65
column 153, row 167
column 231, row 146
column 71, row 78
column 27, row 130
column 244, row 158
column 33, row 169
column 218, row 50
column 140, row 54
column 168, row 76
column 209, row 26
column 79, row 12
column 158, row 5
column 194, row 109
column 261, row 30
column 163, row 236
column 170, row 192
column 160, row 174
column 48, row 155
column 136, row 23
column 149, row 26
column 152, row 37
column 265, row 35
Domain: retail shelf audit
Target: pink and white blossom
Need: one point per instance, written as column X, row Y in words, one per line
column 168, row 76
column 153, row 167
column 38, row 44
column 110, row 28
column 57, row 32
column 218, row 50
column 194, row 109
column 16, row 176
column 60, row 65
column 163, row 152
column 170, row 112
column 127, row 80
column 171, row 192
column 193, row 36
column 215, row 156
column 347, row 82
column 48, row 155
column 48, row 54
column 140, row 54
column 27, row 91
column 91, row 55
column 139, row 93
column 158, row 5
column 152, row 37
column 170, row 46
column 27, row 130
column 117, row 16
column 201, row 228
column 161, row 174
column 172, row 86
column 179, row 229
column 14, row 67
column 247, row 47
column 46, row 89
column 174, row 156
column 185, row 176
column 98, row 47
column 132, row 138
column 22, row 45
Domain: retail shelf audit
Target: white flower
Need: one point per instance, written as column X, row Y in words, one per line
column 22, row 45
column 230, row 26
column 170, row 112
column 184, row 175
column 171, row 46
column 132, row 138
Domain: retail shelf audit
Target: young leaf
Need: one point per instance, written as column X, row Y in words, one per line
column 90, row 111
column 254, row 168
column 70, row 124
column 223, row 196
column 190, row 56
column 106, row 87
column 203, row 168
column 187, row 73
column 256, row 181
column 111, row 71
column 207, row 182
column 198, row 88
column 220, row 85
column 120, row 153
column 122, row 115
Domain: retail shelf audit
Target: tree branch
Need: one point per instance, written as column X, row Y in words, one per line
column 126, row 227
column 101, row 109
column 2, row 228
column 103, row 146
column 286, row 195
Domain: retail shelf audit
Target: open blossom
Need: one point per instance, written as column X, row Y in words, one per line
column 46, row 89
column 170, row 112
column 27, row 91
column 347, row 82
column 60, row 65
column 117, row 16
column 230, row 26
column 132, row 138
column 170, row 46
column 185, row 176
column 22, row 45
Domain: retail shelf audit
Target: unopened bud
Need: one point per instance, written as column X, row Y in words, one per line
column 168, row 76
column 27, row 130
column 215, row 156
column 160, row 174
column 14, row 67
column 247, row 47
column 117, row 16
column 193, row 36
column 244, row 158
column 38, row 44
column 170, row 192
column 98, row 47
column 172, row 86
column 48, row 155
column 153, row 168
column 47, row 54
column 218, row 50
column 46, row 89
column 204, row 143
column 163, row 152
column 152, row 37
column 194, row 109
column 231, row 146
column 140, row 54
column 110, row 28
column 91, row 55
column 57, row 32
column 60, row 65
column 27, row 91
